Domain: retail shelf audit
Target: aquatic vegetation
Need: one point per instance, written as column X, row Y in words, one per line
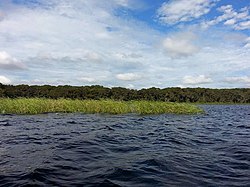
column 42, row 105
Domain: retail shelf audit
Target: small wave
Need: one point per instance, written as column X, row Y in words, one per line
column 127, row 150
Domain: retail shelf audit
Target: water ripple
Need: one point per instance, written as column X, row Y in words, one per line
column 211, row 149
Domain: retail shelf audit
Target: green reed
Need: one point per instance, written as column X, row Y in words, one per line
column 42, row 105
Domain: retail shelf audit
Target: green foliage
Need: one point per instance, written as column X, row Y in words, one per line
column 192, row 95
column 42, row 105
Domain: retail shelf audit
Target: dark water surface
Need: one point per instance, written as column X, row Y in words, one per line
column 211, row 149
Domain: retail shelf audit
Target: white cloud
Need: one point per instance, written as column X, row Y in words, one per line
column 60, row 41
column 197, row 80
column 242, row 79
column 230, row 22
column 247, row 43
column 8, row 62
column 124, row 3
column 176, row 11
column 239, row 20
column 64, row 37
column 4, row 80
column 180, row 45
column 243, row 25
column 130, row 86
column 128, row 77
column 93, row 57
column 87, row 79
column 129, row 56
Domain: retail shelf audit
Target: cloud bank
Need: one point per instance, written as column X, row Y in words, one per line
column 10, row 63
column 128, row 76
column 105, row 42
column 197, row 80
column 4, row 80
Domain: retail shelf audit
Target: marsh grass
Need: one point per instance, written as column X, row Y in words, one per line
column 41, row 105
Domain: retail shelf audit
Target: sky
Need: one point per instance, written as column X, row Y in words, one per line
column 128, row 43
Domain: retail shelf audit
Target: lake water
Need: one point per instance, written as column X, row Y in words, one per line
column 211, row 149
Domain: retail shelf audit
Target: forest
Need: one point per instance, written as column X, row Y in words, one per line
column 97, row 92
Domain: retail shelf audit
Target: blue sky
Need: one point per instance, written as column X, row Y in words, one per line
column 129, row 43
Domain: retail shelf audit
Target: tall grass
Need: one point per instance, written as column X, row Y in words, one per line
column 40, row 105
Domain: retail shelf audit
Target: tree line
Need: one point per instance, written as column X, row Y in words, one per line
column 175, row 94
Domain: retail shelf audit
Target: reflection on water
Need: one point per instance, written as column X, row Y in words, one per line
column 211, row 149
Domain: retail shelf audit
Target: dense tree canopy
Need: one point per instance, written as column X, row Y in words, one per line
column 202, row 95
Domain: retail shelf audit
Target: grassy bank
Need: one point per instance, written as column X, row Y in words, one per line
column 38, row 106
